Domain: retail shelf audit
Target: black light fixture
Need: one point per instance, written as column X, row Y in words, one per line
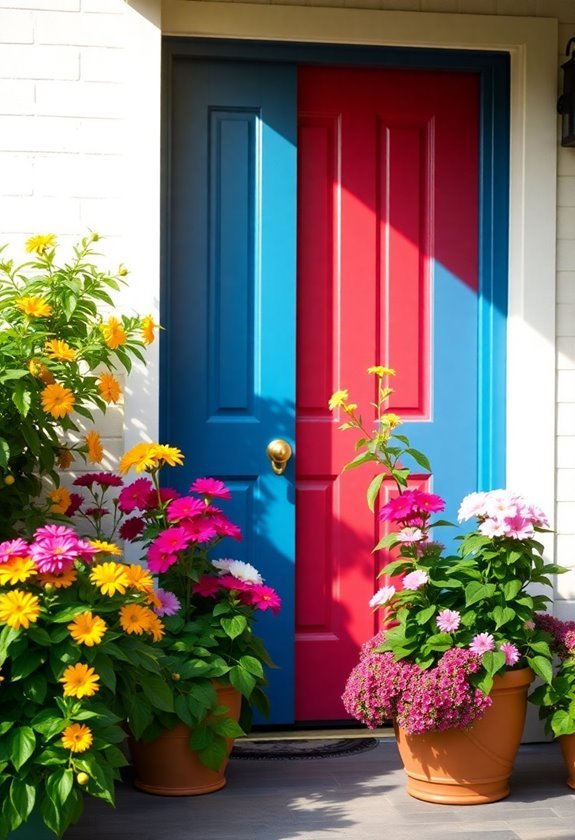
column 566, row 102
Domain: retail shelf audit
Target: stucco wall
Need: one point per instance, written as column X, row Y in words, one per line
column 78, row 79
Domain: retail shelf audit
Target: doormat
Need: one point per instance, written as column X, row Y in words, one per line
column 301, row 748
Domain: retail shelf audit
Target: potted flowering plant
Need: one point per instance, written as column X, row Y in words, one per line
column 211, row 655
column 457, row 626
column 59, row 358
column 77, row 635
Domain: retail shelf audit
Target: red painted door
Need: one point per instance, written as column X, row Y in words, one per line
column 387, row 274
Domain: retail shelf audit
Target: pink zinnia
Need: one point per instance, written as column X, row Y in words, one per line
column 410, row 504
column 482, row 643
column 56, row 553
column 159, row 561
column 382, row 596
column 211, row 487
column 101, row 478
column 163, row 496
column 135, row 496
column 187, row 507
column 262, row 597
column 231, row 582
column 415, row 579
column 198, row 530
column 169, row 603
column 225, row 528
column 511, row 652
column 448, row 620
column 472, row 505
column 172, row 540
column 518, row 527
column 13, row 548
column 207, row 586
column 49, row 531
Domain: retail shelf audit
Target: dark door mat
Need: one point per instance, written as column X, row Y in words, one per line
column 301, row 748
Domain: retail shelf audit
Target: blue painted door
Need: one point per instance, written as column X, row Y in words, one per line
column 229, row 363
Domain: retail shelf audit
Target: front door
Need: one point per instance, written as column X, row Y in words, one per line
column 386, row 198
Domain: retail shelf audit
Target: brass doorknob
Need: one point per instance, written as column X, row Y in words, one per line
column 279, row 453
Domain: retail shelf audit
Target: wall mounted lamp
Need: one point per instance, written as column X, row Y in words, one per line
column 566, row 102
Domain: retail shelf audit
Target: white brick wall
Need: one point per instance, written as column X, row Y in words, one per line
column 70, row 112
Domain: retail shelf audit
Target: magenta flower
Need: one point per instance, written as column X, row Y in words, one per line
column 172, row 540
column 96, row 512
column 411, row 504
column 169, row 604
column 211, row 487
column 511, row 652
column 482, row 643
column 56, row 552
column 187, row 507
column 382, row 596
column 101, row 478
column 135, row 496
column 49, row 531
column 198, row 530
column 132, row 528
column 76, row 502
column 13, row 548
column 207, row 586
column 159, row 561
column 162, row 496
column 415, row 579
column 448, row 620
column 225, row 528
column 262, row 597
column 234, row 583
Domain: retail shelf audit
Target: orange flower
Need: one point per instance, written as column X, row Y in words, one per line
column 59, row 350
column 61, row 581
column 109, row 387
column 65, row 458
column 114, row 333
column 60, row 498
column 40, row 371
column 57, row 400
column 95, row 452
column 34, row 306
column 148, row 327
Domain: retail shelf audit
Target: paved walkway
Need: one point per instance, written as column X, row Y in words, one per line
column 357, row 797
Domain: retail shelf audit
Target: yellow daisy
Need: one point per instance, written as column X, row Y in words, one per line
column 61, row 499
column 140, row 457
column 95, row 452
column 114, row 333
column 57, row 400
column 17, row 570
column 80, row 681
column 77, row 738
column 62, row 581
column 106, row 547
column 59, row 350
column 390, row 419
column 170, row 455
column 87, row 629
column 148, row 327
column 110, row 578
column 35, row 307
column 379, row 370
column 19, row 609
column 40, row 243
column 139, row 578
column 338, row 398
column 135, row 618
column 109, row 388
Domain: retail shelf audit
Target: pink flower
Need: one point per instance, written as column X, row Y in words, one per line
column 415, row 579
column 492, row 528
column 135, row 496
column 210, row 487
column 518, row 527
column 198, row 530
column 410, row 535
column 411, row 504
column 101, row 478
column 13, row 548
column 132, row 528
column 76, row 502
column 448, row 620
column 186, row 507
column 225, row 528
column 49, row 531
column 159, row 561
column 481, row 643
column 231, row 582
column 172, row 540
column 511, row 652
column 472, row 505
column 169, row 604
column 262, row 597
column 57, row 552
column 382, row 596
column 207, row 586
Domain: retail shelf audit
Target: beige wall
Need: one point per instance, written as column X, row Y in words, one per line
column 79, row 149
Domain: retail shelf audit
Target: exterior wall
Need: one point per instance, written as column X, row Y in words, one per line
column 79, row 150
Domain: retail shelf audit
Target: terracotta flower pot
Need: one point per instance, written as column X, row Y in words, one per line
column 168, row 767
column 567, row 744
column 470, row 766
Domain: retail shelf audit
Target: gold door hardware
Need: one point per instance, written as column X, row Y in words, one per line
column 279, row 453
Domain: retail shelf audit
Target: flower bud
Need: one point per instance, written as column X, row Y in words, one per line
column 82, row 778
column 176, row 677
column 122, row 270
column 9, row 479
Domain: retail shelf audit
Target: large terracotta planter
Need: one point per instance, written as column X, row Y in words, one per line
column 470, row 766
column 567, row 744
column 168, row 767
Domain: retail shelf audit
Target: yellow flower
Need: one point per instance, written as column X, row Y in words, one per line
column 156, row 628
column 381, row 371
column 152, row 598
column 106, row 547
column 139, row 578
column 150, row 456
column 34, row 306
column 40, row 371
column 40, row 243
column 114, row 333
column 95, row 452
column 338, row 398
column 64, row 458
column 59, row 350
column 148, row 327
column 19, row 609
column 87, row 629
column 61, row 581
column 110, row 578
column 77, row 738
column 391, row 420
column 17, row 570
column 135, row 618
column 60, row 498
column 57, row 400
column 109, row 387
column 350, row 407
column 80, row 681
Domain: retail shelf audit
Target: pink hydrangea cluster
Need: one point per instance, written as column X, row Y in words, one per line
column 436, row 699
column 562, row 633
column 502, row 513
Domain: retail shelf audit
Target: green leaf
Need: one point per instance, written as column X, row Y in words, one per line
column 35, row 688
column 213, row 755
column 139, row 716
column 22, row 398
column 542, row 667
column 22, row 797
column 476, row 591
column 493, row 661
column 562, row 723
column 234, row 627
column 201, row 737
column 182, row 709
column 158, row 693
column 419, row 458
column 105, row 671
column 39, row 635
column 22, row 745
column 253, row 665
column 204, row 694
column 511, row 589
column 242, row 680
column 502, row 615
column 373, row 490
column 7, row 636
column 228, row 728
column 48, row 724
column 25, row 664
column 423, row 616
column 4, row 453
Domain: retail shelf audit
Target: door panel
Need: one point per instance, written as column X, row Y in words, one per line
column 387, row 274
column 228, row 352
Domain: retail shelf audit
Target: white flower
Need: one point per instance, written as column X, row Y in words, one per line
column 382, row 596
column 239, row 569
column 472, row 505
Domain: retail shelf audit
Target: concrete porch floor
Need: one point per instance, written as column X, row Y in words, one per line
column 360, row 796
